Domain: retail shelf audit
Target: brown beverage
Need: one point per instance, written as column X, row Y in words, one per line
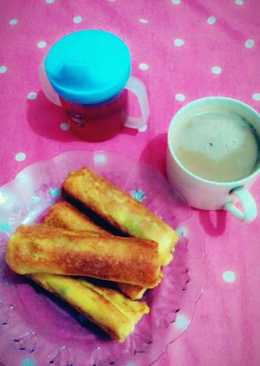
column 217, row 146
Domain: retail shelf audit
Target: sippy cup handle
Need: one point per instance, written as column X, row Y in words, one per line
column 47, row 88
column 134, row 85
column 137, row 87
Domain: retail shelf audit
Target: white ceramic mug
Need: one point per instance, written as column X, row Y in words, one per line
column 202, row 193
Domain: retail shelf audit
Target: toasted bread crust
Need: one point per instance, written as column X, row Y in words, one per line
column 64, row 215
column 120, row 210
column 44, row 249
column 107, row 308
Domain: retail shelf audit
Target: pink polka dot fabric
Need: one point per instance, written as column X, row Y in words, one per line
column 182, row 50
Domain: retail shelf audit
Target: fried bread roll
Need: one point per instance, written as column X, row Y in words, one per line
column 120, row 210
column 64, row 215
column 107, row 308
column 45, row 249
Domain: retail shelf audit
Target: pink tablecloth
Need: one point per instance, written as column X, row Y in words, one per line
column 182, row 49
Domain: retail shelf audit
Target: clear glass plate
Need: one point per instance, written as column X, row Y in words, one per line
column 40, row 330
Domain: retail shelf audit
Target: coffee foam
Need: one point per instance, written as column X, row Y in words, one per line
column 216, row 135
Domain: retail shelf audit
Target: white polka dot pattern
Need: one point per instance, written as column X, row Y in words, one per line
column 143, row 20
column 211, row 20
column 100, row 158
column 77, row 19
column 249, row 43
column 41, row 44
column 178, row 42
column 181, row 52
column 21, row 156
column 180, row 97
column 32, row 95
column 3, row 69
column 143, row 66
column 216, row 70
column 229, row 276
column 13, row 21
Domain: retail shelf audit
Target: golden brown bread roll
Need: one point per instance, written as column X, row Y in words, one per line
column 120, row 210
column 45, row 249
column 107, row 308
column 64, row 215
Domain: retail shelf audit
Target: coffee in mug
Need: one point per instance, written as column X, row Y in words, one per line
column 213, row 155
column 217, row 146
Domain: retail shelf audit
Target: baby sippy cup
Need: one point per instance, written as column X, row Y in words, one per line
column 88, row 74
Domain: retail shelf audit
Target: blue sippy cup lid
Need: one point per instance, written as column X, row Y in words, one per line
column 88, row 66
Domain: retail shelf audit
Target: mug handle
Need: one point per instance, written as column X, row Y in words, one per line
column 247, row 202
column 47, row 88
column 137, row 87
